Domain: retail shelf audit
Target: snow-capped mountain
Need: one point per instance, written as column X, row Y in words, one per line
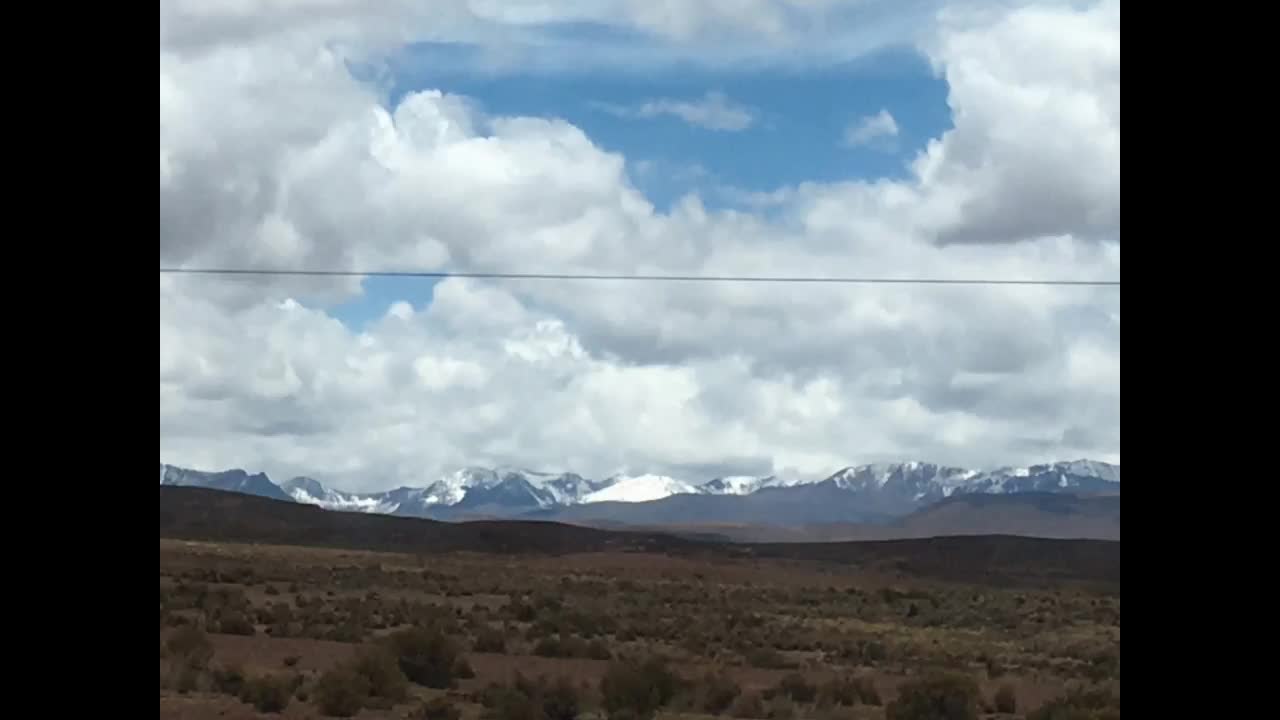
column 309, row 491
column 474, row 490
column 1077, row 476
column 901, row 487
column 737, row 485
column 868, row 491
column 641, row 488
column 912, row 478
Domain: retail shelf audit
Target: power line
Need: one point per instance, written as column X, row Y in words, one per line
column 642, row 278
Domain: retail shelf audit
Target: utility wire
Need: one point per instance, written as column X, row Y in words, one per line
column 641, row 278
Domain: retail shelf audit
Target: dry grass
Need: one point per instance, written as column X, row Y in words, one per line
column 707, row 617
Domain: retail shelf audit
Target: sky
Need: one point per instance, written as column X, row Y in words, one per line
column 955, row 139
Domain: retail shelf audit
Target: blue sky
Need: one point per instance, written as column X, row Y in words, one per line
column 797, row 132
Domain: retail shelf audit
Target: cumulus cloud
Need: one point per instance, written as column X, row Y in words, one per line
column 274, row 155
column 1035, row 150
column 877, row 130
column 713, row 111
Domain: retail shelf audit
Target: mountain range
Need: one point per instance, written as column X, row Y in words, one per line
column 858, row 497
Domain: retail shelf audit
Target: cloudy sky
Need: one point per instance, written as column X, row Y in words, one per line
column 886, row 138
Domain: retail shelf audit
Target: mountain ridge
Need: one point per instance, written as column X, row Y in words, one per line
column 862, row 494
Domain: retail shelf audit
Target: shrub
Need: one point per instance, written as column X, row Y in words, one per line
column 796, row 687
column 186, row 679
column 490, row 695
column 281, row 613
column 1080, row 704
column 638, row 688
column 350, row 631
column 462, row 669
column 235, row 623
column 874, row 652
column 767, row 658
column 748, row 706
column 341, row 692
column 190, row 645
column 941, row 697
column 511, row 704
column 560, row 701
column 382, row 674
column 548, row 647
column 229, row 680
column 491, row 640
column 849, row 690
column 292, row 660
column 574, row 647
column 1104, row 666
column 267, row 694
column 1006, row 701
column 438, row 708
column 177, row 621
column 427, row 657
column 522, row 611
column 718, row 693
column 781, row 708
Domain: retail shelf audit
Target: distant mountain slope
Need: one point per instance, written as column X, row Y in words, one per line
column 237, row 481
column 1044, row 515
column 189, row 513
column 197, row 514
column 1032, row 514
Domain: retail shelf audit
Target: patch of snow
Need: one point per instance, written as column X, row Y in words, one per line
column 641, row 488
column 335, row 500
column 303, row 497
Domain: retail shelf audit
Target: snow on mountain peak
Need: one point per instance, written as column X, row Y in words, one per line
column 736, row 485
column 1091, row 468
column 640, row 488
column 895, row 485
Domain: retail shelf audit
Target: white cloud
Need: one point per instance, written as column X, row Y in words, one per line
column 598, row 376
column 713, row 111
column 1036, row 144
column 529, row 34
column 877, row 130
